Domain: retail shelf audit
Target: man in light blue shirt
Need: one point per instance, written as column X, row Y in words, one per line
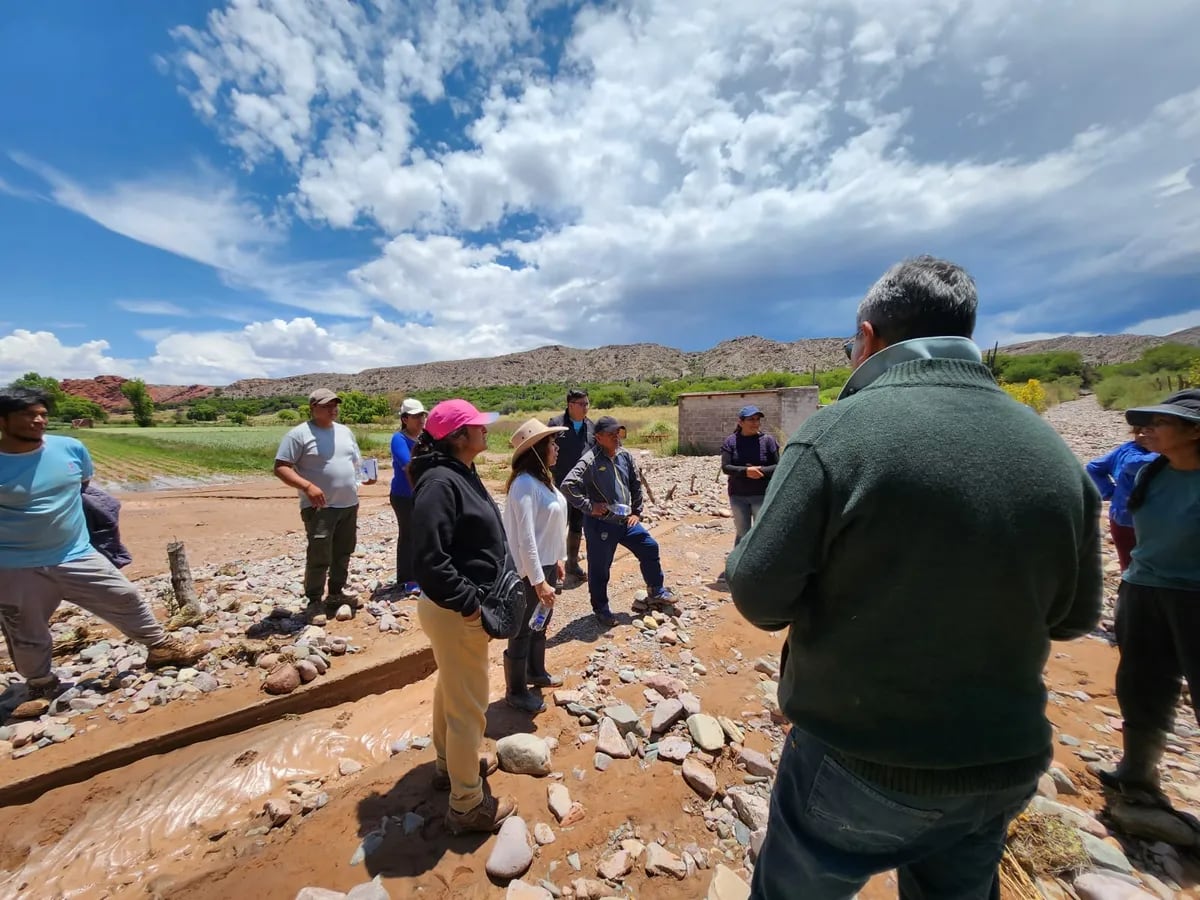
column 46, row 555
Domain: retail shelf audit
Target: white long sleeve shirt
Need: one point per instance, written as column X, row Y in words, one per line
column 535, row 523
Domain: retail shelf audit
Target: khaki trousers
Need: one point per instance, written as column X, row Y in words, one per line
column 460, row 699
column 28, row 597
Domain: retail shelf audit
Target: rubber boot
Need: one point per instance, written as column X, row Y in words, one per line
column 517, row 693
column 537, row 674
column 1138, row 768
column 574, row 570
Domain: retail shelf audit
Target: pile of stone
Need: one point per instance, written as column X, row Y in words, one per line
column 252, row 624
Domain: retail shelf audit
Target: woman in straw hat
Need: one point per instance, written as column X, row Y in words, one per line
column 1158, row 610
column 535, row 522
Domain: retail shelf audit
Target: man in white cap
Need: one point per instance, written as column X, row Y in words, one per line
column 320, row 459
column 412, row 421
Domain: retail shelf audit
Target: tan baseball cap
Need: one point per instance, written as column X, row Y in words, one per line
column 321, row 396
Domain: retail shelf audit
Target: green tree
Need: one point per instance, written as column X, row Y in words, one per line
column 44, row 383
column 139, row 398
column 358, row 408
column 287, row 415
column 237, row 418
column 73, row 407
column 202, row 412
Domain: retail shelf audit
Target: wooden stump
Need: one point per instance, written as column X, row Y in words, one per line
column 186, row 604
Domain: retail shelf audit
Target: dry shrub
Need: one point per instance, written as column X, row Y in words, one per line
column 1046, row 846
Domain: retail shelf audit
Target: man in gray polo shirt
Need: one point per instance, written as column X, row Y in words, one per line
column 321, row 459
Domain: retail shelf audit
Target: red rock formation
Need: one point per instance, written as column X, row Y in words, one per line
column 106, row 390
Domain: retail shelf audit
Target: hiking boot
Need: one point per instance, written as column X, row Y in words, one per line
column 572, row 568
column 46, row 688
column 174, row 652
column 312, row 609
column 342, row 597
column 605, row 617
column 1137, row 772
column 488, row 764
column 662, row 596
column 517, row 694
column 537, row 674
column 487, row 817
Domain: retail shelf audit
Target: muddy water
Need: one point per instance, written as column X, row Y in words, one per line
column 150, row 818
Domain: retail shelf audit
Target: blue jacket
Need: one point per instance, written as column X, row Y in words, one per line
column 1114, row 474
column 402, row 446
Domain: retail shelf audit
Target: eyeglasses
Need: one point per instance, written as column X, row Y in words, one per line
column 586, row 403
column 849, row 347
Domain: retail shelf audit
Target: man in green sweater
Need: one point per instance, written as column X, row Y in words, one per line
column 923, row 540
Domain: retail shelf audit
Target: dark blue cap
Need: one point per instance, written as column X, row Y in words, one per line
column 748, row 411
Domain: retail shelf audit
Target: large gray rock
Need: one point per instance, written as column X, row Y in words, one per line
column 625, row 719
column 727, row 885
column 609, row 740
column 1105, row 856
column 511, row 855
column 706, row 732
column 1153, row 824
column 752, row 809
column 699, row 778
column 661, row 861
column 369, row 890
column 524, row 754
column 666, row 714
column 1094, row 886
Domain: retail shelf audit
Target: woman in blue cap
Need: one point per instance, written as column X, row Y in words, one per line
column 1158, row 609
column 748, row 457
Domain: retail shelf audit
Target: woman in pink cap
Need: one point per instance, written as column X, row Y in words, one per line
column 459, row 550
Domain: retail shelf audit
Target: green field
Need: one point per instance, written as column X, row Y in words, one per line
column 129, row 455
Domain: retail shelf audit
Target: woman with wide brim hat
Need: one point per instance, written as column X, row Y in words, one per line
column 1158, row 609
column 535, row 523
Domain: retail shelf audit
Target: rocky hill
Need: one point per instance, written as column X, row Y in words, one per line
column 737, row 357
column 106, row 390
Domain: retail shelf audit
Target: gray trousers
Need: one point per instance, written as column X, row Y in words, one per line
column 28, row 597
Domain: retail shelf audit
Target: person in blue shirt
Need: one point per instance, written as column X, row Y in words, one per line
column 412, row 421
column 1114, row 474
column 46, row 555
column 1158, row 609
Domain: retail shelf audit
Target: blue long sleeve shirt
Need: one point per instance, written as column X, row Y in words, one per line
column 1114, row 474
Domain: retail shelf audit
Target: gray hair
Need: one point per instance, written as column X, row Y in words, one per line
column 921, row 297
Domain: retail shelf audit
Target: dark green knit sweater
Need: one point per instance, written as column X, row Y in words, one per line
column 924, row 539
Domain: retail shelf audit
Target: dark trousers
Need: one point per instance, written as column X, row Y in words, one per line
column 603, row 538
column 1158, row 632
column 574, row 520
column 403, row 507
column 829, row 831
column 332, row 536
column 527, row 639
column 1124, row 540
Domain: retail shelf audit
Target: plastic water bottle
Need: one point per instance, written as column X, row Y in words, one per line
column 542, row 612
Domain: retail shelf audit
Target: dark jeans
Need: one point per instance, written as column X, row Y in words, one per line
column 332, row 536
column 745, row 510
column 527, row 638
column 829, row 831
column 1124, row 540
column 403, row 507
column 603, row 538
column 1158, row 631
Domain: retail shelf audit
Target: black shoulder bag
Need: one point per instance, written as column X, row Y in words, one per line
column 502, row 606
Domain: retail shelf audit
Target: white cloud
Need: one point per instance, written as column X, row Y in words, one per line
column 1164, row 325
column 153, row 308
column 799, row 138
column 24, row 351
column 203, row 218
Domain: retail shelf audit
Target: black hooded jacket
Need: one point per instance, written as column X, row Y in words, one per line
column 459, row 544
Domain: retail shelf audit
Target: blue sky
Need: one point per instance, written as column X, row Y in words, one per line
column 196, row 192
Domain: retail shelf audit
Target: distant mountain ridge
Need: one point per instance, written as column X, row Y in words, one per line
column 728, row 359
column 622, row 362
